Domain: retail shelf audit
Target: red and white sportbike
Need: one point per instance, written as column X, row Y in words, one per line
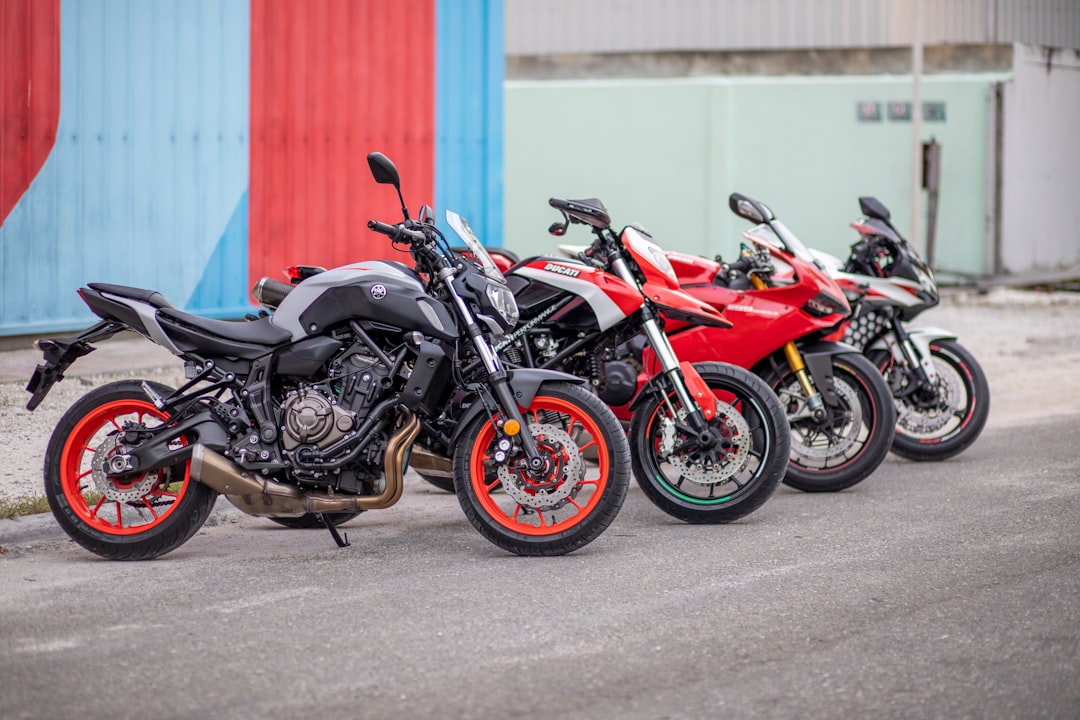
column 709, row 441
column 941, row 393
column 789, row 315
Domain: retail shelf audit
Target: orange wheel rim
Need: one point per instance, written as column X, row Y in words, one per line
column 117, row 507
column 576, row 502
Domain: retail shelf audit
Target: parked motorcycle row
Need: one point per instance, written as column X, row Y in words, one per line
column 531, row 389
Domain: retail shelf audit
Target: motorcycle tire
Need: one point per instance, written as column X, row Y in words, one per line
column 857, row 435
column 753, row 432
column 573, row 501
column 136, row 518
column 311, row 520
column 958, row 372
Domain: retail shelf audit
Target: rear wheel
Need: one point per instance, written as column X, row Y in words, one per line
column 938, row 423
column 853, row 438
column 568, row 503
column 730, row 475
column 136, row 517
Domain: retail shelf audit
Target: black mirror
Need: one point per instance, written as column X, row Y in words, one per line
column 872, row 207
column 383, row 170
column 749, row 208
column 427, row 215
column 385, row 173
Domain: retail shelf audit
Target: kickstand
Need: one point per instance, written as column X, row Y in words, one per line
column 341, row 543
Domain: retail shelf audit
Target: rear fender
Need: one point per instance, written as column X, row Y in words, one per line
column 60, row 353
column 524, row 383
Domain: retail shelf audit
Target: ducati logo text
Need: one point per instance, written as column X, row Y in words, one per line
column 562, row 270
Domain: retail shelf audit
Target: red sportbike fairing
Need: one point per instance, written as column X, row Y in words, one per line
column 709, row 441
column 788, row 314
column 941, row 392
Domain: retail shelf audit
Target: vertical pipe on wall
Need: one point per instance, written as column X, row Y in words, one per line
column 916, row 122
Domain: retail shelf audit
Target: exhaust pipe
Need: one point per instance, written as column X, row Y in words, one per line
column 269, row 292
column 429, row 463
column 256, row 495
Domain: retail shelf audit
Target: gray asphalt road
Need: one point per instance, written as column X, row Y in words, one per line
column 928, row 591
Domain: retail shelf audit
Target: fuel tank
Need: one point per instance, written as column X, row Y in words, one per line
column 380, row 291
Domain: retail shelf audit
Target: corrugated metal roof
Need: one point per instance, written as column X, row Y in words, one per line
column 540, row 27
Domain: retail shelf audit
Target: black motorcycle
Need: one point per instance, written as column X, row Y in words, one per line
column 310, row 414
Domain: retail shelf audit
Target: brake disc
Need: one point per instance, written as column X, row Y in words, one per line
column 692, row 463
column 571, row 469
column 107, row 486
column 801, row 445
column 925, row 421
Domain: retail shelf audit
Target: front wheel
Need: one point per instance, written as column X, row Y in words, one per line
column 568, row 503
column 940, row 422
column 843, row 448
column 135, row 517
column 722, row 478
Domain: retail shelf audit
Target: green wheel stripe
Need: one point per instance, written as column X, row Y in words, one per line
column 687, row 498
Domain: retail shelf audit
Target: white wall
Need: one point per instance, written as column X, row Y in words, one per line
column 1040, row 209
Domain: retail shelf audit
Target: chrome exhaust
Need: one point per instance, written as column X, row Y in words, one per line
column 256, row 495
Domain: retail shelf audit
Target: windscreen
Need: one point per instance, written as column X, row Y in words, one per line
column 781, row 237
column 461, row 226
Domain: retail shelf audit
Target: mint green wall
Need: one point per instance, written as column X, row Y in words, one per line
column 667, row 153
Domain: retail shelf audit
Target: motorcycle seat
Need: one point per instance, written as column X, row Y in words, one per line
column 153, row 297
column 252, row 332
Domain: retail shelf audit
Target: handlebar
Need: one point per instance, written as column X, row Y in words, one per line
column 396, row 232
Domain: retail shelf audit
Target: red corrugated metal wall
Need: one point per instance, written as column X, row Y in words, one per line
column 332, row 80
column 29, row 92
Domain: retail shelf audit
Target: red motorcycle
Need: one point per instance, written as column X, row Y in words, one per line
column 708, row 441
column 788, row 315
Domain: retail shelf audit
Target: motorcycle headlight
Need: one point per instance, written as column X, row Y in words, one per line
column 502, row 301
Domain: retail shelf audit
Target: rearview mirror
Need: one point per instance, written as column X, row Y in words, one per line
column 750, row 209
column 872, row 207
column 383, row 170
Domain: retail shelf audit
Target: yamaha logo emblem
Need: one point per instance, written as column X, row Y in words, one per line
column 378, row 291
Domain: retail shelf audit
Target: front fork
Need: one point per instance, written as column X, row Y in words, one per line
column 697, row 417
column 921, row 364
column 814, row 401
column 498, row 380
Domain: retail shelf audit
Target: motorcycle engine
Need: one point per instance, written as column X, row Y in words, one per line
column 618, row 382
column 310, row 418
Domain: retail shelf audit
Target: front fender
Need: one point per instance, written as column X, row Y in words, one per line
column 524, row 385
column 920, row 337
column 818, row 357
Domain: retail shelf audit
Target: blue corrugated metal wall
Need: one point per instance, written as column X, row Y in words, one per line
column 148, row 181
column 149, row 170
column 469, row 73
